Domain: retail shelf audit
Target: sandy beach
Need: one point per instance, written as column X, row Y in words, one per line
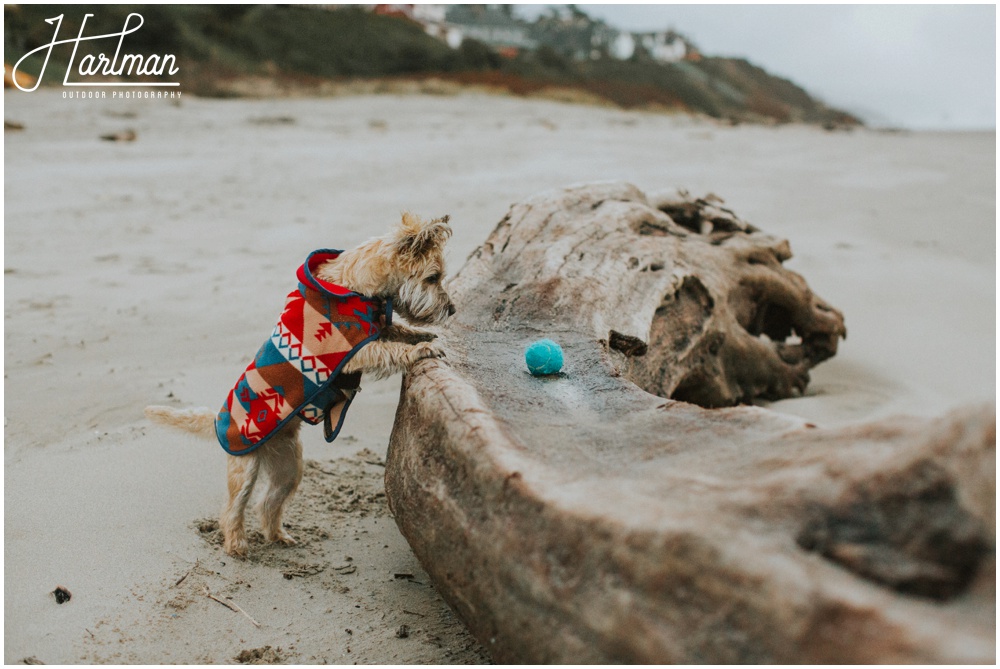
column 149, row 272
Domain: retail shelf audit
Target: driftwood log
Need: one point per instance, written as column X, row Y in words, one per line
column 602, row 515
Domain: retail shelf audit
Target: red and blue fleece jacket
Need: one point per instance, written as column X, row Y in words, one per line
column 299, row 369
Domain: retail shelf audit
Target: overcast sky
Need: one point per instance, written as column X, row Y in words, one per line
column 915, row 66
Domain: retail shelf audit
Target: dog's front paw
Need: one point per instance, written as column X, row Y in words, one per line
column 407, row 335
column 426, row 349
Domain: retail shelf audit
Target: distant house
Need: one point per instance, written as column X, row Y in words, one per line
column 566, row 29
column 575, row 34
column 666, row 47
column 493, row 25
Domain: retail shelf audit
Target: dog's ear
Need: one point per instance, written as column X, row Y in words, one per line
column 415, row 238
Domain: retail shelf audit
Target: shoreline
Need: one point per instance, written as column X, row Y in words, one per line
column 434, row 86
column 299, row 86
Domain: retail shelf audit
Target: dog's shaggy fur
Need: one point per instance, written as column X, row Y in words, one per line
column 407, row 265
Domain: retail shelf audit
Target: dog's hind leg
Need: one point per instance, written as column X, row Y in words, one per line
column 242, row 472
column 281, row 458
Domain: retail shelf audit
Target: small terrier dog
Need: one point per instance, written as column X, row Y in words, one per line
column 406, row 265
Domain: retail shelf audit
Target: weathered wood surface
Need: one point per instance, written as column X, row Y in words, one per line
column 580, row 518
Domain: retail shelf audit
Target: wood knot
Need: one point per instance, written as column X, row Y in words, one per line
column 630, row 346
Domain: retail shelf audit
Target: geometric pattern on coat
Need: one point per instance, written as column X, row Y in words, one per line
column 298, row 369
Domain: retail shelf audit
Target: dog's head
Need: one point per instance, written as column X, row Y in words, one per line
column 417, row 248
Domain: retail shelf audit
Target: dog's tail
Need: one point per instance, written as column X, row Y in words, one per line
column 200, row 421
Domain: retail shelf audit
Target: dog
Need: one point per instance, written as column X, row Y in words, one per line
column 405, row 269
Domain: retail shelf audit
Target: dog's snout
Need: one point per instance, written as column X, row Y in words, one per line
column 451, row 309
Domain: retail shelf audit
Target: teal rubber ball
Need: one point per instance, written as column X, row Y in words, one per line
column 543, row 357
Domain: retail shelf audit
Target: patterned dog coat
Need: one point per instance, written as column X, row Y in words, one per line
column 298, row 369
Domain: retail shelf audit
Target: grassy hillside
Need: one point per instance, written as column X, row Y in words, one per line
column 216, row 44
column 239, row 38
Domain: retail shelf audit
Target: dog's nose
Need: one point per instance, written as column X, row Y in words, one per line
column 451, row 309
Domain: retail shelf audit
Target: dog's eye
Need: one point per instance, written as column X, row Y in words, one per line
column 433, row 279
